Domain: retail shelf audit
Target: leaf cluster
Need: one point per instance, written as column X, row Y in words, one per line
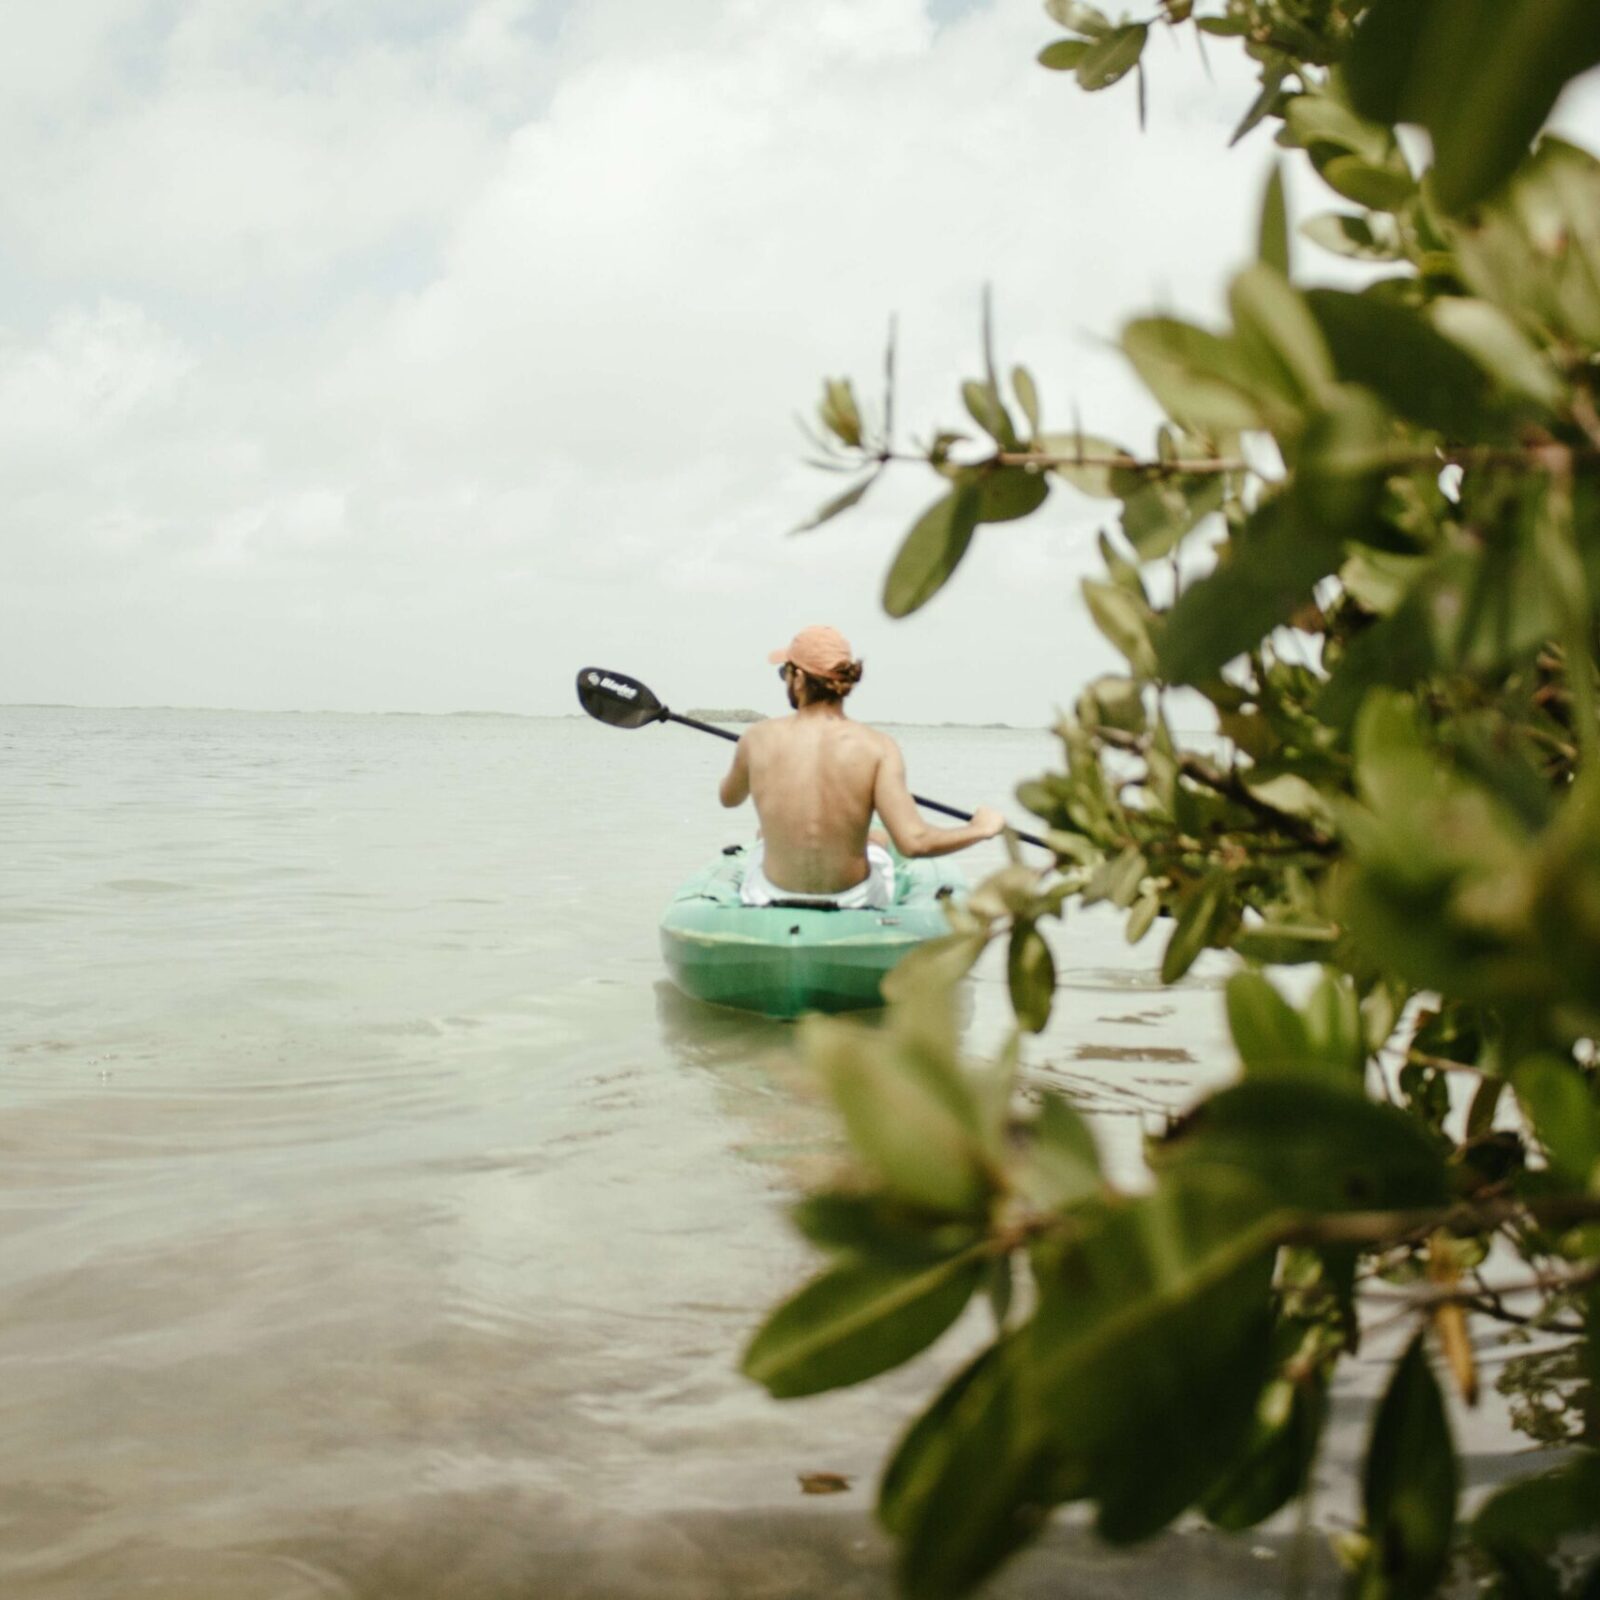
column 1368, row 534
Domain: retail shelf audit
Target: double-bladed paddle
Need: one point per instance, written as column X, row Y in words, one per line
column 624, row 702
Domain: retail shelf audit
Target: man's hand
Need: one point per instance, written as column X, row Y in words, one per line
column 987, row 822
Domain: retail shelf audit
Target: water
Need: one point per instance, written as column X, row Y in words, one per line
column 378, row 1223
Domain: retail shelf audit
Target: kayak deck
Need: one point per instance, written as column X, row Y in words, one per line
column 784, row 960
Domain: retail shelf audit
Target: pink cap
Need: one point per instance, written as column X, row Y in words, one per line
column 819, row 651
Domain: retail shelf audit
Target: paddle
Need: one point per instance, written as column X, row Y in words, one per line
column 624, row 702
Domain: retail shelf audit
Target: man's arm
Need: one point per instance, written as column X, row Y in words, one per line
column 898, row 811
column 736, row 786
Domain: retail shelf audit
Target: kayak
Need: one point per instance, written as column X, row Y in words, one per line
column 782, row 960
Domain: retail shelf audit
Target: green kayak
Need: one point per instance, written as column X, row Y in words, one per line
column 782, row 960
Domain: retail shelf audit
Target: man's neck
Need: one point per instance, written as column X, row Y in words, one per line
column 821, row 709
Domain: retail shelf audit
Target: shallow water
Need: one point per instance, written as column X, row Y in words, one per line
column 378, row 1222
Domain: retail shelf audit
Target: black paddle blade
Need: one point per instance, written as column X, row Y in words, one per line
column 616, row 698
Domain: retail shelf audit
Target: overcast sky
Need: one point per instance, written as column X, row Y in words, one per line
column 410, row 354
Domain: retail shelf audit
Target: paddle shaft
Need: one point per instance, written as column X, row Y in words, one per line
column 927, row 805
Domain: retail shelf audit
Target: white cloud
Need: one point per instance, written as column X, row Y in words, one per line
column 414, row 356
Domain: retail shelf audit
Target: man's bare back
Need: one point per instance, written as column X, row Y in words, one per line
column 817, row 778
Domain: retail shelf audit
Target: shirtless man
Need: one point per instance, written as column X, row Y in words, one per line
column 817, row 777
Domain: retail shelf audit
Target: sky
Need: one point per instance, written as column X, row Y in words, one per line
column 412, row 354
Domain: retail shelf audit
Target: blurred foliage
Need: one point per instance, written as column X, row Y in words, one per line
column 1368, row 534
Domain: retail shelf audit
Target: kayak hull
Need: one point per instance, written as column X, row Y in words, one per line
column 782, row 961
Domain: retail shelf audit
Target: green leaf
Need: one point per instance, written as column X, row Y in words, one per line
column 879, row 1227
column 1409, row 1485
column 1528, row 1519
column 839, row 412
column 1064, row 55
column 856, row 1320
column 1201, row 379
column 916, row 1457
column 1090, row 478
column 1267, row 1030
column 1325, row 127
column 1343, row 454
column 1500, row 347
column 1062, row 1166
column 936, row 964
column 1161, row 511
column 1200, row 914
column 911, row 1116
column 1564, row 1114
column 1031, row 973
column 1272, row 78
column 1381, row 188
column 1479, row 75
column 1124, row 620
column 1076, row 17
column 932, row 551
column 1268, row 570
column 1277, row 1465
column 965, row 1488
column 1143, row 915
column 1369, row 238
column 986, row 409
column 1272, row 234
column 1293, row 795
column 1285, row 939
column 1027, row 393
column 1150, row 1347
column 1113, row 57
column 1007, row 494
column 1394, row 351
column 1279, row 336
column 1535, row 251
column 1311, row 1146
column 843, row 502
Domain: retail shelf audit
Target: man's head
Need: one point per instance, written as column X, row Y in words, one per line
column 817, row 665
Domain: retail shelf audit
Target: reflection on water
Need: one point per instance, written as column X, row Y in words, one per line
column 378, row 1222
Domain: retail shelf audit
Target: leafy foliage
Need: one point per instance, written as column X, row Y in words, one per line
column 1397, row 633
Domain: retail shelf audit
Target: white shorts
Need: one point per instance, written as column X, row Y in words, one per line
column 874, row 892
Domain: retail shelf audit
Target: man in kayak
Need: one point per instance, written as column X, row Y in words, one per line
column 817, row 777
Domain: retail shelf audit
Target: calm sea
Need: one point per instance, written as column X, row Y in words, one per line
column 377, row 1222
